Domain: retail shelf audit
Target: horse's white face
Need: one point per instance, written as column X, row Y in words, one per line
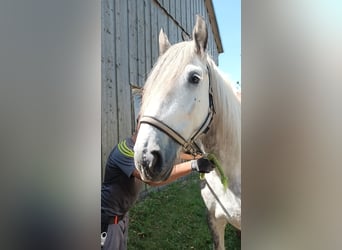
column 178, row 98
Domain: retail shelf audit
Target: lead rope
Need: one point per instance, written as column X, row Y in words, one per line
column 224, row 180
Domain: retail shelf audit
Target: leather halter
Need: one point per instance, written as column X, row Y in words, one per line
column 189, row 145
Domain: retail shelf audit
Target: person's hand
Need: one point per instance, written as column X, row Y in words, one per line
column 202, row 165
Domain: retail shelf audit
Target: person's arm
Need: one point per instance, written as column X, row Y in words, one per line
column 184, row 156
column 180, row 170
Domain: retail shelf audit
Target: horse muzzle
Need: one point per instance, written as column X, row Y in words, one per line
column 154, row 154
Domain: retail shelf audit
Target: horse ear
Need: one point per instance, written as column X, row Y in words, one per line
column 200, row 35
column 164, row 43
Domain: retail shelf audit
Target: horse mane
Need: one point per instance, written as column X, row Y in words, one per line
column 224, row 135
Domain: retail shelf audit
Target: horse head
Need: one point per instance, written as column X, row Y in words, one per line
column 175, row 103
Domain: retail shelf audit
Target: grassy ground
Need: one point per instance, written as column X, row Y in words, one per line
column 174, row 218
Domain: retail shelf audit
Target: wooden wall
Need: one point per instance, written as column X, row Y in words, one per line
column 130, row 31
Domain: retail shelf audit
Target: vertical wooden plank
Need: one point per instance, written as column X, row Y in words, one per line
column 148, row 37
column 188, row 16
column 204, row 8
column 162, row 18
column 154, row 33
column 201, row 9
column 122, row 72
column 205, row 15
column 141, row 42
column 133, row 50
column 179, row 19
column 197, row 3
column 162, row 21
column 173, row 28
column 192, row 15
column 166, row 4
column 183, row 14
column 133, row 40
column 179, row 34
column 173, row 14
column 177, row 11
column 171, row 7
column 170, row 23
column 109, row 125
column 162, row 3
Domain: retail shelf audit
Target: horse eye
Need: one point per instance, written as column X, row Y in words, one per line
column 194, row 78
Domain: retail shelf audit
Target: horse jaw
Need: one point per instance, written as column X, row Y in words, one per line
column 154, row 153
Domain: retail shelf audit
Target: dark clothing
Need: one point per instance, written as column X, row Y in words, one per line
column 119, row 191
column 120, row 188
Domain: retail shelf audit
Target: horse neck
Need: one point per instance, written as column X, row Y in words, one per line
column 224, row 136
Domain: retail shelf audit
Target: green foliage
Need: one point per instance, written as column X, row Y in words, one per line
column 174, row 218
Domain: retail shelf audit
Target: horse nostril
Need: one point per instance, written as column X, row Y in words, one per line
column 157, row 162
column 152, row 162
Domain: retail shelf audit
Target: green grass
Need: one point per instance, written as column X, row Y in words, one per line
column 174, row 218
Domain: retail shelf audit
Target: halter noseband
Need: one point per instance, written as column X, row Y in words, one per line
column 188, row 145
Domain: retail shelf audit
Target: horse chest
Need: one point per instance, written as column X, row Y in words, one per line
column 220, row 201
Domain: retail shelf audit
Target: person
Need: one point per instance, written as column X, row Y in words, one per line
column 121, row 186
